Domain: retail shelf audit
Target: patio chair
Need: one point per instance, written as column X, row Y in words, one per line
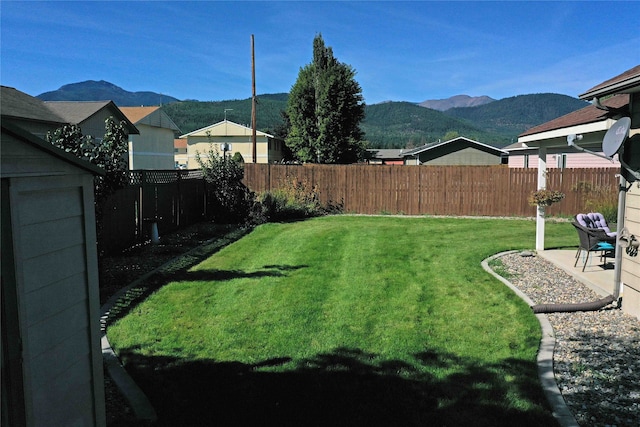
column 592, row 239
column 599, row 222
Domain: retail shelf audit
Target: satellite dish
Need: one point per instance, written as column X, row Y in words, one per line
column 615, row 136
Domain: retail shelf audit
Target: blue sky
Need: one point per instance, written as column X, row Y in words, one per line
column 401, row 51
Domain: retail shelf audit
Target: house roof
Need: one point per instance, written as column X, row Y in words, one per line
column 225, row 128
column 19, row 105
column 152, row 116
column 588, row 114
column 386, row 153
column 627, row 82
column 135, row 114
column 515, row 146
column 76, row 112
column 433, row 145
column 41, row 144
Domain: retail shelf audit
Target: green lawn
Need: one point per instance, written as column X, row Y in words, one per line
column 344, row 321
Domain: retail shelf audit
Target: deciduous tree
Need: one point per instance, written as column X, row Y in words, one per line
column 110, row 154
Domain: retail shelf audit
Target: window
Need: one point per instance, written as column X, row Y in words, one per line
column 561, row 161
column 525, row 161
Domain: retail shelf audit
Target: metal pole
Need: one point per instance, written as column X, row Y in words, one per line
column 253, row 101
column 617, row 272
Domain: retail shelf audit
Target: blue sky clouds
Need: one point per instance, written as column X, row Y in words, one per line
column 409, row 51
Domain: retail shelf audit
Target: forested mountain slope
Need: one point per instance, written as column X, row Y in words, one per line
column 92, row 90
column 512, row 116
column 386, row 125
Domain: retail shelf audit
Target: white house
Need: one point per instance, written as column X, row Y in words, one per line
column 627, row 273
column 152, row 147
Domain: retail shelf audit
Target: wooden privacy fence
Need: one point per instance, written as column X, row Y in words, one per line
column 436, row 190
column 173, row 199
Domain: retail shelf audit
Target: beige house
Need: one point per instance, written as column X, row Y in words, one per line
column 627, row 262
column 269, row 149
column 152, row 148
column 52, row 371
column 455, row 152
column 180, row 153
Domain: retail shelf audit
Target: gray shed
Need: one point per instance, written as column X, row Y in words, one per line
column 52, row 371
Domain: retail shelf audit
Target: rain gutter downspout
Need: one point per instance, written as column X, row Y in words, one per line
column 617, row 273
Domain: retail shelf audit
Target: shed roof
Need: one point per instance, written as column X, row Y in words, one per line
column 588, row 114
column 16, row 104
column 76, row 112
column 41, row 144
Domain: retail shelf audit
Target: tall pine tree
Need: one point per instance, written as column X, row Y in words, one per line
column 325, row 109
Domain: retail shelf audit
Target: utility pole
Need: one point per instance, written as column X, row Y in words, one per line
column 253, row 101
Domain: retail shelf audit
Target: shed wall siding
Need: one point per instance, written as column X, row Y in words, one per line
column 19, row 159
column 39, row 129
column 56, row 276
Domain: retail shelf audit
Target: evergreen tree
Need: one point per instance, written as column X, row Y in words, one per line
column 325, row 109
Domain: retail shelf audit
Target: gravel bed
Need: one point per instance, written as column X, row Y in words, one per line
column 597, row 354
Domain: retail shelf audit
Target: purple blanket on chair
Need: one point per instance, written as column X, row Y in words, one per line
column 595, row 220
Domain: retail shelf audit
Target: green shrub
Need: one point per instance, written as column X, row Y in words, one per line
column 231, row 202
column 294, row 200
column 599, row 198
column 237, row 157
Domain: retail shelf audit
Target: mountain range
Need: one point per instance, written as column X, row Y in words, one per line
column 386, row 125
column 456, row 101
column 92, row 90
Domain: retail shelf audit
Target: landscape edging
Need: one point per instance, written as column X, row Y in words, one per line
column 559, row 407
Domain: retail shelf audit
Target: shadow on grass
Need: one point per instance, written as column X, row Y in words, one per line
column 136, row 294
column 224, row 275
column 346, row 387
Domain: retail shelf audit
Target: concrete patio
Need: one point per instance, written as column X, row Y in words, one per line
column 596, row 275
